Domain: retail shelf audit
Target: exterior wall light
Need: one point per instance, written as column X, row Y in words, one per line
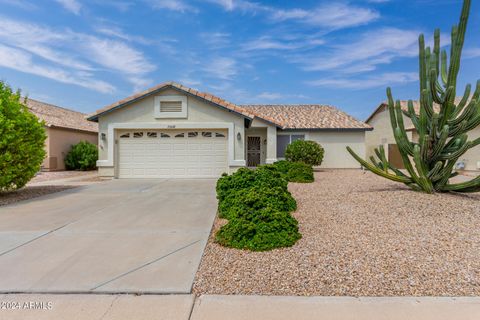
column 239, row 136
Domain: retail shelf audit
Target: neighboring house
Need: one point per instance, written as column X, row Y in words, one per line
column 383, row 135
column 174, row 131
column 64, row 128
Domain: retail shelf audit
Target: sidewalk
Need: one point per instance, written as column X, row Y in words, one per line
column 212, row 307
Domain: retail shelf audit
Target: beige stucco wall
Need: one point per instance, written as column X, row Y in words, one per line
column 383, row 132
column 46, row 160
column 334, row 143
column 142, row 111
column 59, row 143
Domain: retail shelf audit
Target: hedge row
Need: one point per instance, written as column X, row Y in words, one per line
column 258, row 204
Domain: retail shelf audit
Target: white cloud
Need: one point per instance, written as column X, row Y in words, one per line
column 470, row 53
column 269, row 96
column 285, row 44
column 215, row 39
column 71, row 5
column 21, row 61
column 372, row 48
column 221, row 68
column 231, row 5
column 81, row 55
column 174, row 5
column 116, row 55
column 380, row 80
column 333, row 15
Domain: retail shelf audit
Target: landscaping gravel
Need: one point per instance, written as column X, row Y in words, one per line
column 29, row 192
column 362, row 236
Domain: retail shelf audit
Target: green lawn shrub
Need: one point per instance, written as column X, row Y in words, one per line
column 82, row 156
column 295, row 171
column 309, row 152
column 22, row 139
column 257, row 204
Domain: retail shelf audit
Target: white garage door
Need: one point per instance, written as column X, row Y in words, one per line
column 172, row 154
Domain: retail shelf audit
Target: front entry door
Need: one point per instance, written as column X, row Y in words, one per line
column 253, row 151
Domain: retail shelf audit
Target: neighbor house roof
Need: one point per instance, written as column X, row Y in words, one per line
column 55, row 116
column 283, row 116
column 308, row 116
column 404, row 106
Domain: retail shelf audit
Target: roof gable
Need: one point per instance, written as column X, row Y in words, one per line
column 176, row 86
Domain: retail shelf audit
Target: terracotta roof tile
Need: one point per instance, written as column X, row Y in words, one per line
column 55, row 116
column 284, row 116
column 307, row 116
column 206, row 96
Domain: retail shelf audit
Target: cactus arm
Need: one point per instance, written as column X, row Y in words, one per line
column 467, row 186
column 435, row 170
column 444, row 68
column 440, row 143
column 463, row 102
column 378, row 171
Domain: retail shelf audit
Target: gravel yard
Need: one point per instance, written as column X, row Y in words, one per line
column 362, row 236
column 29, row 192
column 49, row 182
column 57, row 175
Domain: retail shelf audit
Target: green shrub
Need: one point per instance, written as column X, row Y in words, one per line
column 295, row 171
column 305, row 151
column 82, row 156
column 22, row 139
column 246, row 178
column 264, row 229
column 257, row 204
column 245, row 202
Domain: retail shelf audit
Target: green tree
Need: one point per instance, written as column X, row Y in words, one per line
column 442, row 122
column 22, row 139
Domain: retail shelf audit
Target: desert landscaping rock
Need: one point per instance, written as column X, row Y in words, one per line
column 30, row 192
column 362, row 236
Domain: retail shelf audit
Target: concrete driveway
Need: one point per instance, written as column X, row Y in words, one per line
column 144, row 236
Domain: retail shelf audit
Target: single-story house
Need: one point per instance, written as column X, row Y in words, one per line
column 64, row 128
column 383, row 135
column 171, row 131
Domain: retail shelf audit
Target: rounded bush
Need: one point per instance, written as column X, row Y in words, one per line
column 245, row 202
column 305, row 151
column 246, row 178
column 82, row 156
column 22, row 139
column 265, row 229
column 295, row 171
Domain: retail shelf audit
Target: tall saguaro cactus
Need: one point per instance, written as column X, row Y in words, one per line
column 442, row 122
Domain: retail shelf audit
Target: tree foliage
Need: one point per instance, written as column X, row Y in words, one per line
column 22, row 139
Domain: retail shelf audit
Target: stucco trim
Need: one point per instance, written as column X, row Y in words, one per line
column 109, row 162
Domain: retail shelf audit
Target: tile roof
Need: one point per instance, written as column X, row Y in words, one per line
column 404, row 106
column 308, row 116
column 170, row 84
column 60, row 117
column 283, row 116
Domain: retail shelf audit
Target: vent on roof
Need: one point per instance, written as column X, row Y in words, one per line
column 171, row 106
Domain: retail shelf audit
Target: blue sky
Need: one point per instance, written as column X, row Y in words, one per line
column 85, row 54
